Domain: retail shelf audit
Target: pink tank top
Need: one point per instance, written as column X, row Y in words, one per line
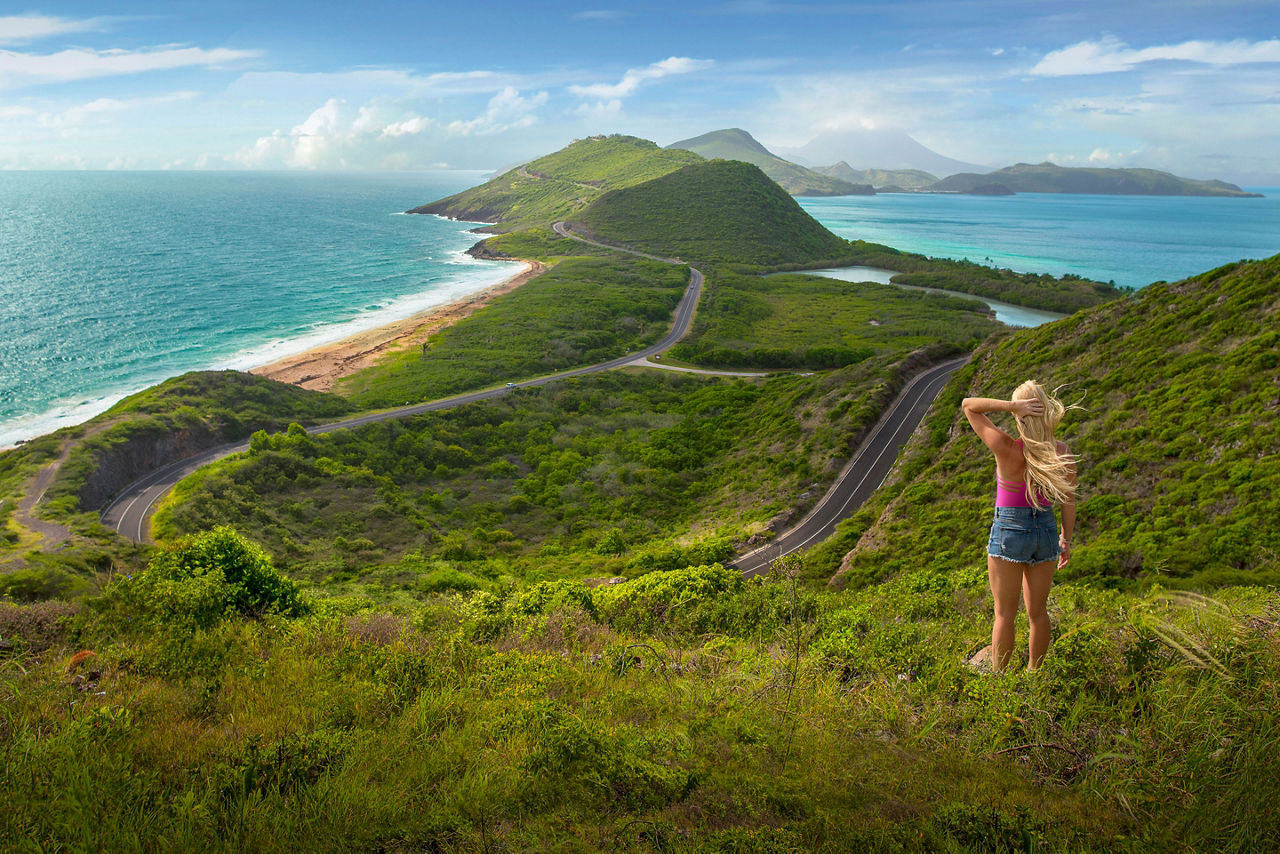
column 1013, row 493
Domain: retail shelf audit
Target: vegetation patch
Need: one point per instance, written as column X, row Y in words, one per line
column 613, row 474
column 583, row 311
column 1179, row 478
column 796, row 321
column 559, row 185
column 716, row 211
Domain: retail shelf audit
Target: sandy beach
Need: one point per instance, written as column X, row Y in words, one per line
column 320, row 368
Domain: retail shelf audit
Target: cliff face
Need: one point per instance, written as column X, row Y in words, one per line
column 116, row 464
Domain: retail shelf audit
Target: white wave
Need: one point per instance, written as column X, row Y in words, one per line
column 62, row 414
column 441, row 293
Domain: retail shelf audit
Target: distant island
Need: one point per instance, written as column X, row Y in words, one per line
column 1051, row 178
column 884, row 180
column 842, row 179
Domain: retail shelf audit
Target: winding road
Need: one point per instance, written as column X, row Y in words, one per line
column 130, row 512
column 862, row 475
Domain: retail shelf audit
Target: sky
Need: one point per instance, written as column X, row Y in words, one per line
column 1188, row 86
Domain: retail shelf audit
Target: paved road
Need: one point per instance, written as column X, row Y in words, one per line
column 862, row 475
column 130, row 512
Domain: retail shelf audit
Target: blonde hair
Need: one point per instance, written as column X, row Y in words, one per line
column 1049, row 473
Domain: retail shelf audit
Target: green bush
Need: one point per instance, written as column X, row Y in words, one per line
column 40, row 583
column 205, row 577
column 672, row 599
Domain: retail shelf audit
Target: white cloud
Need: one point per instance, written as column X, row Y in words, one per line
column 81, row 64
column 292, row 84
column 600, row 15
column 17, row 29
column 1111, row 55
column 633, row 78
column 65, row 121
column 507, row 110
column 1107, row 157
column 379, row 135
column 417, row 124
column 599, row 112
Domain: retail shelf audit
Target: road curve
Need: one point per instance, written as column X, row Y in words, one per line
column 862, row 475
column 131, row 510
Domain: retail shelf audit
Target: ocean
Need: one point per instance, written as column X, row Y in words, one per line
column 113, row 281
column 1129, row 240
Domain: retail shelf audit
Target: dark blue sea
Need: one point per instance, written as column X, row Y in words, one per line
column 113, row 281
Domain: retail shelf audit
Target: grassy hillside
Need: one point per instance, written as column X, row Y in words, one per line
column 1051, row 178
column 717, row 211
column 1180, row 480
column 615, row 474
column 174, row 419
column 737, row 144
column 796, row 321
column 620, row 303
column 558, row 185
column 906, row 179
column 215, row 709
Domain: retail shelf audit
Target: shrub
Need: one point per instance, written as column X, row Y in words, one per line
column 206, row 576
column 546, row 595
column 40, row 583
column 680, row 599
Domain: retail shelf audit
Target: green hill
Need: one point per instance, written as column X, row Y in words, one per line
column 1179, row 473
column 1051, row 178
column 558, row 185
column 906, row 179
column 720, row 210
column 737, row 144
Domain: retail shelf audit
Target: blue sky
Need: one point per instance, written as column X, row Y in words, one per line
column 1191, row 86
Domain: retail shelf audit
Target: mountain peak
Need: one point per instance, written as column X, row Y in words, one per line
column 737, row 144
column 878, row 148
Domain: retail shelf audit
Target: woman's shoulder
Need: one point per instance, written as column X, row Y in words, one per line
column 1062, row 447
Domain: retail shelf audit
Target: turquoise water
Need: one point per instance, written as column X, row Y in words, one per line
column 112, row 282
column 1131, row 240
column 1013, row 315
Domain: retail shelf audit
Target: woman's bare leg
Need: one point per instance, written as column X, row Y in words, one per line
column 1036, row 581
column 1006, row 585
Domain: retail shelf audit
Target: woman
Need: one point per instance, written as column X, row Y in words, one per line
column 1033, row 472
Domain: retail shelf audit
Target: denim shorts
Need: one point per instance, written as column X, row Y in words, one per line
column 1024, row 535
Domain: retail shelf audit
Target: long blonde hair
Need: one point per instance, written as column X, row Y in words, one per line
column 1049, row 473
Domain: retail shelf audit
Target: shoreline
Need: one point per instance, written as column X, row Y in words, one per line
column 320, row 368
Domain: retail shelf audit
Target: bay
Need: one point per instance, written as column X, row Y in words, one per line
column 113, row 281
column 1129, row 240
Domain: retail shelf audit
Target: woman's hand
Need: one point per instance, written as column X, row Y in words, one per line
column 1065, row 557
column 1030, row 406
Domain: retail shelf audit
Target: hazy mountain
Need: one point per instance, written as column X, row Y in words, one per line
column 877, row 149
column 1051, row 178
column 737, row 144
column 907, row 179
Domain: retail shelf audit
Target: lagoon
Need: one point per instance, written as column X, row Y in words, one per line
column 1012, row 315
